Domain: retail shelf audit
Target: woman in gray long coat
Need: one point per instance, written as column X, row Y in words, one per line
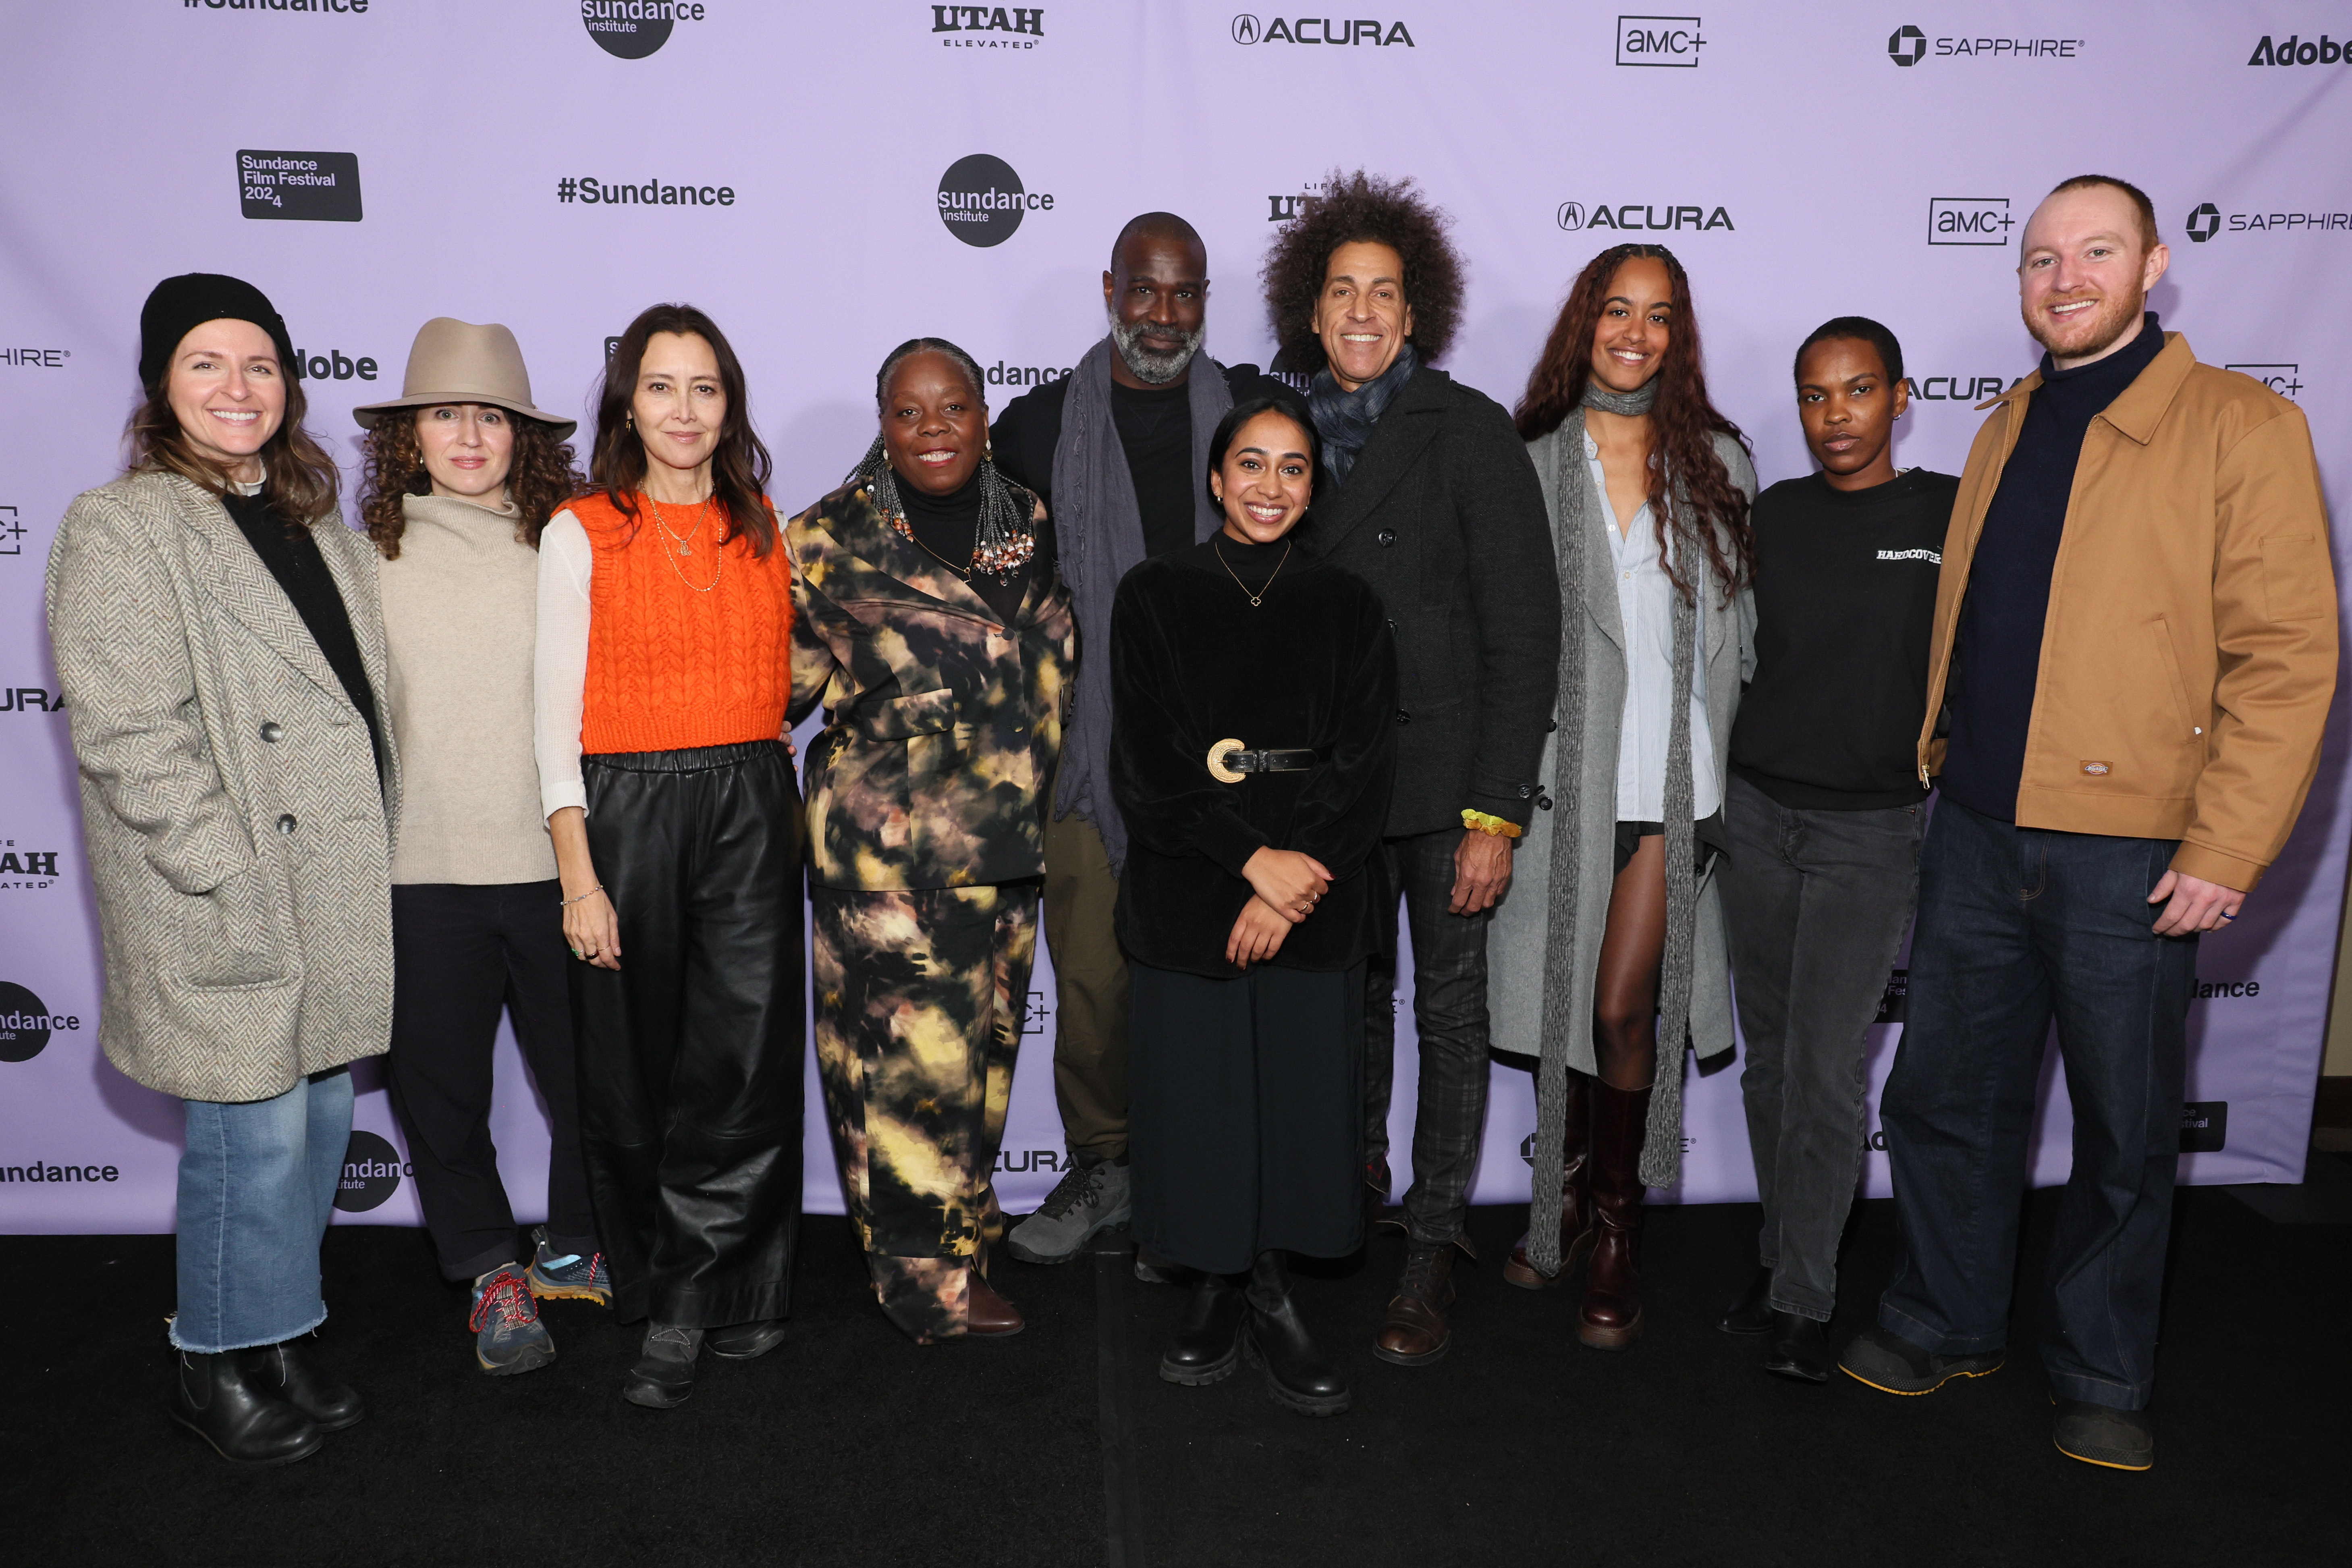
column 221, row 648
column 1608, row 952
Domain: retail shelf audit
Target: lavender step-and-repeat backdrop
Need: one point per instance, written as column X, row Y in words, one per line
column 829, row 179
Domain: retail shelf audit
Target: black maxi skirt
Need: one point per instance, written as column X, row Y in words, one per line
column 690, row 1076
column 1246, row 1113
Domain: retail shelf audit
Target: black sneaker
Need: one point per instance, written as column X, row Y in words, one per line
column 2097, row 1435
column 1091, row 1197
column 1893, row 1365
column 664, row 1375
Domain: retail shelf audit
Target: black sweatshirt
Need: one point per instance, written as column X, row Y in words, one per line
column 293, row 558
column 1155, row 430
column 1997, row 655
column 1845, row 601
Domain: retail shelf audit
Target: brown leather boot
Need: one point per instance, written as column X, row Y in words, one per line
column 1575, row 1232
column 1611, row 1316
column 1414, row 1332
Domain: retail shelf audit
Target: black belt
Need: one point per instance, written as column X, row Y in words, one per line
column 1229, row 760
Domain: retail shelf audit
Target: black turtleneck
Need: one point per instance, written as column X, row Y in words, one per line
column 947, row 525
column 1253, row 565
column 1996, row 658
column 293, row 558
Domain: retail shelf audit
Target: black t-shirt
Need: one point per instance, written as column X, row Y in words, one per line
column 293, row 558
column 1155, row 429
column 1845, row 600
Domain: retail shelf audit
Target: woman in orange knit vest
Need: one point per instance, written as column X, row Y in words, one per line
column 663, row 672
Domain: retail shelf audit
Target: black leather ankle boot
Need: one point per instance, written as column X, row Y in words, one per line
column 1275, row 1338
column 1206, row 1348
column 213, row 1397
column 292, row 1372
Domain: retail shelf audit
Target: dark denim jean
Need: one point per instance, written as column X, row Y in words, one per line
column 1814, row 903
column 2018, row 927
column 1449, row 1014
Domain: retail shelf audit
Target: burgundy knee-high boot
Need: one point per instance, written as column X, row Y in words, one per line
column 1611, row 1316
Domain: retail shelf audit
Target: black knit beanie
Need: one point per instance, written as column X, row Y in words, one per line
column 180, row 305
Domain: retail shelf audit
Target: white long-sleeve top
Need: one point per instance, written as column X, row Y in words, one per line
column 560, row 665
column 1645, row 608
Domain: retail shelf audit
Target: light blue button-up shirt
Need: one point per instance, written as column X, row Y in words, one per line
column 1645, row 609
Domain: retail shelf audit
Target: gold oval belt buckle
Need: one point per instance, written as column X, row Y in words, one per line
column 1217, row 769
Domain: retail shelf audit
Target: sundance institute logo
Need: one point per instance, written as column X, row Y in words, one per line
column 372, row 1173
column 631, row 29
column 982, row 200
column 27, row 1023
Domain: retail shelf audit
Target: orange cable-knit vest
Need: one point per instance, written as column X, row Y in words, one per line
column 668, row 667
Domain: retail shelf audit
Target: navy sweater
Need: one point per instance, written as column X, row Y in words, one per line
column 1997, row 656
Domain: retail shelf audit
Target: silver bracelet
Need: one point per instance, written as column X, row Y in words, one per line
column 582, row 898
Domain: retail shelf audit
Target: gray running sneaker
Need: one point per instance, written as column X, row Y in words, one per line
column 1088, row 1199
column 569, row 1276
column 507, row 1335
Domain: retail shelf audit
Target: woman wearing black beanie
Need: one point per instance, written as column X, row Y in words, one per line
column 220, row 646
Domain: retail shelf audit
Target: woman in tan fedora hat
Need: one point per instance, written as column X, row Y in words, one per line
column 462, row 474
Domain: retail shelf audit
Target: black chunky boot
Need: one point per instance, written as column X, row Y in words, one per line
column 1296, row 1372
column 292, row 1372
column 1209, row 1344
column 213, row 1397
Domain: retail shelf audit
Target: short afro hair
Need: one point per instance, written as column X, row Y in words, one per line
column 1362, row 206
column 1858, row 329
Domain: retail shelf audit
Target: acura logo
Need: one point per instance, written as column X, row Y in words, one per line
column 1246, row 30
column 1571, row 215
column 2204, row 223
column 1907, row 46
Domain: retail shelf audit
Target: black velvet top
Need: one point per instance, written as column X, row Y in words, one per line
column 1192, row 663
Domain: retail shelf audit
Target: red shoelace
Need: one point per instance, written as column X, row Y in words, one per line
column 508, row 1297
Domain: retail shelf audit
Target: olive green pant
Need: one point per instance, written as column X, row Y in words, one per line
column 1090, row 985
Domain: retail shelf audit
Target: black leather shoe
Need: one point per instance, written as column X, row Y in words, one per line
column 1752, row 1313
column 2097, row 1435
column 292, row 1372
column 1799, row 1348
column 744, row 1342
column 1276, row 1339
column 1207, row 1347
column 213, row 1397
column 664, row 1374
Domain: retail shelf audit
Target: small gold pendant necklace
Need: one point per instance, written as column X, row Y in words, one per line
column 1259, row 597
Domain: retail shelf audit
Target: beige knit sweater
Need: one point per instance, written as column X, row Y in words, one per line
column 459, row 611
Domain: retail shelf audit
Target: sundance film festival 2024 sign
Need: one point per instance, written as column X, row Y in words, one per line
column 828, row 182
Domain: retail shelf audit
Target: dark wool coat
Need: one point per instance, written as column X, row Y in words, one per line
column 1192, row 664
column 1443, row 516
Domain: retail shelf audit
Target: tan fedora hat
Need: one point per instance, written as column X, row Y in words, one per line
column 457, row 362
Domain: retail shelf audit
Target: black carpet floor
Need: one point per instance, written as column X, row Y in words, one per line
column 850, row 1445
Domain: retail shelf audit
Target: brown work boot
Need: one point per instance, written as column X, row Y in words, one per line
column 1611, row 1316
column 1576, row 1224
column 1413, row 1333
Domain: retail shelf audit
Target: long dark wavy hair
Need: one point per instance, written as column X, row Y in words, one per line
column 544, row 475
column 1362, row 206
column 299, row 486
column 1684, row 420
column 739, row 465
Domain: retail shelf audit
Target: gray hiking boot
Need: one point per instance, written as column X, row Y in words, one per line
column 1090, row 1198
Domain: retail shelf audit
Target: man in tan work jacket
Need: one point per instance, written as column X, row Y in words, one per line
column 2134, row 651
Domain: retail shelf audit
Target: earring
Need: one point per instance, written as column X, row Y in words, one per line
column 629, row 420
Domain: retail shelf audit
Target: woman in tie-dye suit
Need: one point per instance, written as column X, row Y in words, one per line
column 931, row 625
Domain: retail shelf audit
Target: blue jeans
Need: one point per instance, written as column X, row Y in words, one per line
column 257, row 1188
column 2019, row 927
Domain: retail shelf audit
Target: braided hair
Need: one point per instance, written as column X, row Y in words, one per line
column 1006, row 536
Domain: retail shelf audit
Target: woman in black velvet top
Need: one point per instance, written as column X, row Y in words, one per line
column 1253, row 742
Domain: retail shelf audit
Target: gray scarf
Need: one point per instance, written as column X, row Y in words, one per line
column 1098, row 533
column 1568, row 1011
column 1345, row 419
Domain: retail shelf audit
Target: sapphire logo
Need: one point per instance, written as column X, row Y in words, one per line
column 1658, row 41
column 1248, row 30
column 1969, row 220
column 1907, row 46
column 631, row 29
column 27, row 1023
column 315, row 187
column 2208, row 220
column 982, row 201
column 372, row 1173
column 1574, row 216
column 2287, row 380
column 2204, row 222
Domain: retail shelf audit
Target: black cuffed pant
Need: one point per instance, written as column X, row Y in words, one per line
column 690, row 1051
column 460, row 954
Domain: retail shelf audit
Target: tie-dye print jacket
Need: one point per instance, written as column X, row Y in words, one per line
column 943, row 723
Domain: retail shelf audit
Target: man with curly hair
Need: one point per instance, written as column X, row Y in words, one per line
column 1428, row 495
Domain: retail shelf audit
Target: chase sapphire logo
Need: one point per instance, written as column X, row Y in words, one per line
column 2204, row 222
column 1907, row 46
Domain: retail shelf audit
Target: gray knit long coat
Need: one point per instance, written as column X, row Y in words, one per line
column 1516, row 944
column 239, row 838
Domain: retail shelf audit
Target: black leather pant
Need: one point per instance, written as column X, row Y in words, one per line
column 690, row 1052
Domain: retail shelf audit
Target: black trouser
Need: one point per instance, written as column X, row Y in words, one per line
column 1449, row 1014
column 690, row 1051
column 1814, row 903
column 460, row 954
column 1244, row 1121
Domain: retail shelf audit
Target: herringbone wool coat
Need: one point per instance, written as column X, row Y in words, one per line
column 239, row 836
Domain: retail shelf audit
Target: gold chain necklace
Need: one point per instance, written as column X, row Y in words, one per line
column 1259, row 597
column 672, row 556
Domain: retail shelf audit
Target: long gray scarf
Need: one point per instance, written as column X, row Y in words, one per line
column 1098, row 533
column 1567, row 1009
column 1345, row 419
